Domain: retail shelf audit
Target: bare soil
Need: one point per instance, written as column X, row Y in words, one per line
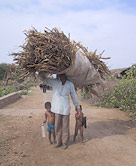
column 109, row 140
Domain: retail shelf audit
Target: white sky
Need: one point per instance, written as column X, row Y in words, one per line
column 97, row 24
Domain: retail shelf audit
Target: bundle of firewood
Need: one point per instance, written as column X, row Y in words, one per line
column 52, row 52
column 95, row 59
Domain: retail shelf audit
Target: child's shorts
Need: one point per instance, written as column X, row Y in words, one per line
column 50, row 127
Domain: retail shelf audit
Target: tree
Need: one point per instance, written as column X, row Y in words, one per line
column 4, row 68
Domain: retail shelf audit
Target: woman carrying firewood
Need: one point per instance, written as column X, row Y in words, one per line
column 62, row 89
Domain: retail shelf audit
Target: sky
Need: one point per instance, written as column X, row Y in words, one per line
column 108, row 25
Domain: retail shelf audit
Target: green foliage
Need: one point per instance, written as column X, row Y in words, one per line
column 1, row 116
column 23, row 92
column 10, row 72
column 84, row 95
column 3, row 70
column 29, row 84
column 123, row 95
column 12, row 88
column 110, row 77
column 1, row 91
column 0, row 144
column 6, row 91
column 10, row 79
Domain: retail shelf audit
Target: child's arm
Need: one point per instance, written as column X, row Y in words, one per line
column 45, row 118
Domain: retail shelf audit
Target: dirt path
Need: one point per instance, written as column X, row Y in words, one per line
column 110, row 136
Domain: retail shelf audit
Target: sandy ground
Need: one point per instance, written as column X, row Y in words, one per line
column 110, row 139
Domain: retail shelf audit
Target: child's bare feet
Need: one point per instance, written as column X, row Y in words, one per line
column 54, row 142
column 51, row 142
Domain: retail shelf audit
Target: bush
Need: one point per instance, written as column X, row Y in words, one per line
column 84, row 95
column 24, row 92
column 1, row 92
column 29, row 84
column 123, row 95
column 3, row 70
column 6, row 91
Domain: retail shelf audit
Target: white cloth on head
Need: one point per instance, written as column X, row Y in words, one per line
column 61, row 94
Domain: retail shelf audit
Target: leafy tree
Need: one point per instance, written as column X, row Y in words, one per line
column 9, row 72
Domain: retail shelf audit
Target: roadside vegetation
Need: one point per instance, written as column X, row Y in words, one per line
column 119, row 93
column 123, row 95
column 10, row 82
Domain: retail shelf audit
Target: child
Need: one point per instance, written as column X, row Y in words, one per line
column 79, row 123
column 51, row 120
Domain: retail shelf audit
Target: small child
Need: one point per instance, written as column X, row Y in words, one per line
column 79, row 123
column 51, row 121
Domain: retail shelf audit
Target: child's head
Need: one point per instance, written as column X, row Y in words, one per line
column 48, row 106
column 79, row 108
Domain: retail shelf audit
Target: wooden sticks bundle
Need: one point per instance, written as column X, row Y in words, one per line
column 95, row 60
column 51, row 52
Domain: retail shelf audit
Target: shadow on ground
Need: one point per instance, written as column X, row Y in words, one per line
column 103, row 129
column 108, row 128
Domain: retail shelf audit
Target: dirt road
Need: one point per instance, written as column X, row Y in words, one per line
column 110, row 139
